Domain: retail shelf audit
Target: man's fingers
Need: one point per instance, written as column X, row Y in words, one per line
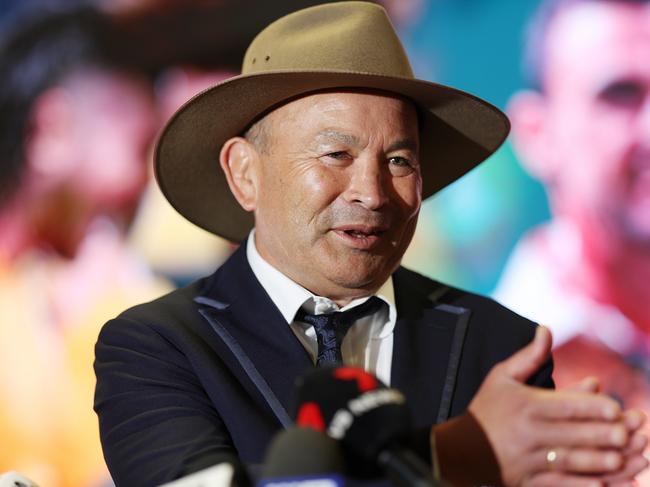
column 529, row 359
column 557, row 479
column 579, row 467
column 634, row 419
column 636, row 444
column 569, row 405
column 578, row 460
column 588, row 384
column 608, row 466
column 633, row 466
column 589, row 434
column 589, row 461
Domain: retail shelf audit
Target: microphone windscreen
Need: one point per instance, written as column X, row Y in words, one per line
column 352, row 406
column 302, row 453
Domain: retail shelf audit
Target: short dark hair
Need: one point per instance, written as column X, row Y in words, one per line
column 41, row 51
column 536, row 34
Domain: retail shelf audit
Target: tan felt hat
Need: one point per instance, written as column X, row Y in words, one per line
column 336, row 45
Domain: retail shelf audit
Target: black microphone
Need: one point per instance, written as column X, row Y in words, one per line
column 302, row 457
column 370, row 420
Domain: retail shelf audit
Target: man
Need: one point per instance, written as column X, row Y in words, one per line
column 585, row 133
column 327, row 144
column 76, row 120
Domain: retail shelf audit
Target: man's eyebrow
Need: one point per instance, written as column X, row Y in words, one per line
column 408, row 144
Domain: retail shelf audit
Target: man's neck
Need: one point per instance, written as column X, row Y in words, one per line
column 289, row 295
column 340, row 295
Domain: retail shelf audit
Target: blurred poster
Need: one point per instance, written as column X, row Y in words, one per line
column 556, row 225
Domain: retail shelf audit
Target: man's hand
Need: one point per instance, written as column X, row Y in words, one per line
column 553, row 438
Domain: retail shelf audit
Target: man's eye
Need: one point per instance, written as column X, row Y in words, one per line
column 400, row 166
column 623, row 93
column 338, row 155
column 338, row 158
column 399, row 161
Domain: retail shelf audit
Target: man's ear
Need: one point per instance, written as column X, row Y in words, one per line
column 239, row 160
column 527, row 112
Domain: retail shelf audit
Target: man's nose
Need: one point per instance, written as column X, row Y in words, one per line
column 367, row 184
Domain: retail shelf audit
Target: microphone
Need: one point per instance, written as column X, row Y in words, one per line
column 14, row 479
column 302, row 457
column 370, row 420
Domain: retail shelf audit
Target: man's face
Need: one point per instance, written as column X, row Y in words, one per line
column 91, row 153
column 597, row 86
column 339, row 190
column 114, row 123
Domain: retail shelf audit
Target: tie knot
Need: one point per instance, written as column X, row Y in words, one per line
column 331, row 328
column 367, row 308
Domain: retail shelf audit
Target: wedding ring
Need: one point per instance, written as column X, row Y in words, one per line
column 551, row 458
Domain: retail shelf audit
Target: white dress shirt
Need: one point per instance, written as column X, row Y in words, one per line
column 369, row 342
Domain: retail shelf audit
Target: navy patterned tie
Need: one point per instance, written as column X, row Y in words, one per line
column 331, row 328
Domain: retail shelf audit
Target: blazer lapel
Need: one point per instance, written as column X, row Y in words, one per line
column 428, row 341
column 252, row 337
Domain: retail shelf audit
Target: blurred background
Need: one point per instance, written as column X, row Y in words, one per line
column 85, row 233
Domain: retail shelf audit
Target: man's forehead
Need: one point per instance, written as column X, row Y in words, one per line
column 605, row 36
column 352, row 140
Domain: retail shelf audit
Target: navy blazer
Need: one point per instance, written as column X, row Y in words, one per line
column 209, row 369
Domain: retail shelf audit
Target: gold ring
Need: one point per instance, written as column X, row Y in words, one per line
column 551, row 458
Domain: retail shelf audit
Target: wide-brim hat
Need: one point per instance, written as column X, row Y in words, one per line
column 346, row 45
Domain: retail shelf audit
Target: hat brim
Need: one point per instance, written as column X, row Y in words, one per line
column 458, row 131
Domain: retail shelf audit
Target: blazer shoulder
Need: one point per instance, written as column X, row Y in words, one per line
column 487, row 314
column 168, row 306
column 171, row 315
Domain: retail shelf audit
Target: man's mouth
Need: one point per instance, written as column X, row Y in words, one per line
column 360, row 236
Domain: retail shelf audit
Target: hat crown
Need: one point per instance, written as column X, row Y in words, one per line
column 345, row 36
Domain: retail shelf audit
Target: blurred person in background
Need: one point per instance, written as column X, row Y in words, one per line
column 77, row 116
column 584, row 131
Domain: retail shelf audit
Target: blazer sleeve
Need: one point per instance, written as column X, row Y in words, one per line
column 156, row 422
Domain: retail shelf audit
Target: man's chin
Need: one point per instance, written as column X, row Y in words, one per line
column 365, row 279
column 358, row 269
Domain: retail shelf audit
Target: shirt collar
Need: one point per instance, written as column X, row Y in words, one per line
column 290, row 296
